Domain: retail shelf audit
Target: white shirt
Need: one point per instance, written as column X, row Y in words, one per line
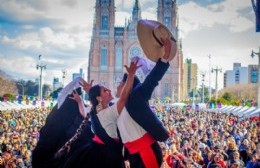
column 107, row 118
column 128, row 128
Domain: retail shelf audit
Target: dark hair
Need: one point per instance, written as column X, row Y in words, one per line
column 136, row 80
column 93, row 93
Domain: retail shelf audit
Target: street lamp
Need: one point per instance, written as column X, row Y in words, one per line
column 193, row 80
column 216, row 70
column 209, row 77
column 203, row 76
column 64, row 73
column 41, row 67
column 253, row 54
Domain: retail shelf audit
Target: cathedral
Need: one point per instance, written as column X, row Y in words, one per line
column 112, row 47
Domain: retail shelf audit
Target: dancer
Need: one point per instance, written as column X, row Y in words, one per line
column 61, row 124
column 139, row 127
column 105, row 151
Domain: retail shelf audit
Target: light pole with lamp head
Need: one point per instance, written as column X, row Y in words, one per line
column 216, row 70
column 193, row 101
column 203, row 79
column 64, row 73
column 41, row 67
column 253, row 54
column 209, row 77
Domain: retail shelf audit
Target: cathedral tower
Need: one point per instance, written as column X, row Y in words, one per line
column 113, row 46
column 168, row 15
column 102, row 59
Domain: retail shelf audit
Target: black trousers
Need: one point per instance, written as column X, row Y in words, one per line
column 136, row 161
column 95, row 156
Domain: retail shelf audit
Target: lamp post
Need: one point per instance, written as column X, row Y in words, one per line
column 216, row 70
column 209, row 77
column 64, row 73
column 193, row 103
column 203, row 79
column 41, row 67
column 253, row 54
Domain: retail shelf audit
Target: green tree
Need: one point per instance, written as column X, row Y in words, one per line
column 228, row 96
column 206, row 93
column 9, row 96
column 31, row 88
column 223, row 101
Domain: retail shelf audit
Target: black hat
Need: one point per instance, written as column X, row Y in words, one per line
column 94, row 91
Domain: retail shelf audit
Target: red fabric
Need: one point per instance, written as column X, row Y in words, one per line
column 222, row 163
column 98, row 140
column 255, row 118
column 143, row 146
column 169, row 161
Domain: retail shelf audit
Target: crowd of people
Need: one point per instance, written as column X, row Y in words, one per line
column 197, row 139
column 205, row 139
column 19, row 133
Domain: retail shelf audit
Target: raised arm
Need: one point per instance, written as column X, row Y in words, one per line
column 86, row 86
column 80, row 102
column 127, row 86
column 152, row 80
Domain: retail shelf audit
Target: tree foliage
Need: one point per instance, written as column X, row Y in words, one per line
column 241, row 91
column 227, row 96
column 7, row 85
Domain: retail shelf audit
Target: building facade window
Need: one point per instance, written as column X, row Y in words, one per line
column 167, row 21
column 104, row 22
column 237, row 77
column 189, row 77
column 103, row 59
column 119, row 58
column 135, row 51
column 254, row 76
column 168, row 2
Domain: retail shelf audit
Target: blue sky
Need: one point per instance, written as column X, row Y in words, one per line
column 60, row 30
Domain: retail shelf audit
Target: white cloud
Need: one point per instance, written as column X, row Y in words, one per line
column 22, row 10
column 23, row 65
column 24, row 41
column 241, row 24
column 47, row 38
column 118, row 2
column 69, row 3
column 120, row 18
column 194, row 17
column 28, row 27
column 128, row 4
column 149, row 15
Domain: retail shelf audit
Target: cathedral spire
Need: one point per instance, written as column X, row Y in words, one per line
column 136, row 11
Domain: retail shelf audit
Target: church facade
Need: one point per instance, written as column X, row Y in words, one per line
column 112, row 47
